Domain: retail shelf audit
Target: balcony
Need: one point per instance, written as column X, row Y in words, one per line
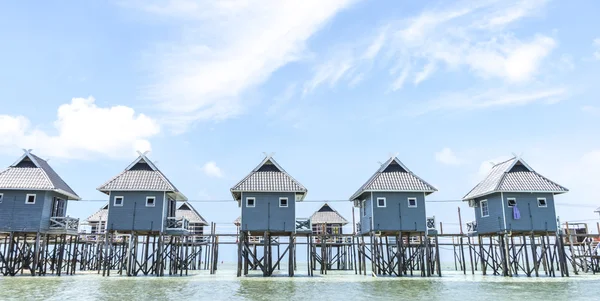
column 472, row 227
column 178, row 224
column 303, row 225
column 63, row 225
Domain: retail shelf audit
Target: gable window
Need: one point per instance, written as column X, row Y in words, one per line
column 250, row 202
column 118, row 201
column 485, row 211
column 412, row 202
column 283, row 202
column 30, row 199
column 1, row 197
column 380, row 202
column 542, row 202
column 364, row 207
column 150, row 201
column 512, row 202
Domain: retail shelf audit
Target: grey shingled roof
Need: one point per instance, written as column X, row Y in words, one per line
column 31, row 172
column 327, row 215
column 597, row 210
column 141, row 175
column 393, row 175
column 513, row 175
column 268, row 176
column 100, row 215
column 189, row 212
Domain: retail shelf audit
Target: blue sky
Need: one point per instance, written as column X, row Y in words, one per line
column 332, row 87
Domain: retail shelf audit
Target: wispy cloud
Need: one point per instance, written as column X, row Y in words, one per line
column 447, row 156
column 82, row 130
column 474, row 100
column 225, row 49
column 212, row 170
column 472, row 36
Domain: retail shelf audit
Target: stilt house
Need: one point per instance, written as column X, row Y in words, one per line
column 392, row 200
column 142, row 199
column 34, row 198
column 327, row 220
column 196, row 221
column 514, row 197
column 268, row 197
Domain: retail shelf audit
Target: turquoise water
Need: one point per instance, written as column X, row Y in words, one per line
column 335, row 286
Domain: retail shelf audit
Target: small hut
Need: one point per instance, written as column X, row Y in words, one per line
column 327, row 220
column 268, row 197
column 142, row 199
column 514, row 197
column 97, row 221
column 34, row 198
column 197, row 222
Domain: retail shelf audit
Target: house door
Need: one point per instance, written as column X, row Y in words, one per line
column 58, row 207
column 172, row 207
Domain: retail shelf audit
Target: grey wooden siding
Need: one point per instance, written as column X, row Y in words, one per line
column 533, row 218
column 494, row 222
column 396, row 215
column 17, row 216
column 267, row 215
column 134, row 215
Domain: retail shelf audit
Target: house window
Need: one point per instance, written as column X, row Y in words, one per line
column 380, row 202
column 364, row 207
column 1, row 197
column 485, row 211
column 118, row 201
column 512, row 202
column 150, row 201
column 542, row 202
column 30, row 199
column 283, row 202
column 412, row 202
column 250, row 202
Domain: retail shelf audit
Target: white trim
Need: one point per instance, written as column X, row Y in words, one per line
column 287, row 202
column 409, row 199
column 27, row 199
column 253, row 202
column 153, row 202
column 1, row 197
column 115, row 201
column 545, row 203
column 508, row 202
column 486, row 206
column 384, row 202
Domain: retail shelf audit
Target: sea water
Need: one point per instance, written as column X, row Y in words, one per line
column 337, row 285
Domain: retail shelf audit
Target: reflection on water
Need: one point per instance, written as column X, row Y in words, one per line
column 335, row 286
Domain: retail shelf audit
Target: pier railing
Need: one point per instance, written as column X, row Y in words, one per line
column 178, row 223
column 64, row 223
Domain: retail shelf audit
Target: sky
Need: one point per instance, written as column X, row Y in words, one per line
column 331, row 87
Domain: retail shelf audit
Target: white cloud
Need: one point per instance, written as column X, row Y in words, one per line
column 82, row 130
column 486, row 166
column 597, row 46
column 475, row 36
column 227, row 48
column 212, row 170
column 447, row 156
column 474, row 100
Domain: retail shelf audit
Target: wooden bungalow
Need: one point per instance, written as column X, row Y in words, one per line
column 196, row 221
column 34, row 198
column 142, row 199
column 97, row 221
column 267, row 197
column 392, row 212
column 514, row 197
column 392, row 200
column 327, row 221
